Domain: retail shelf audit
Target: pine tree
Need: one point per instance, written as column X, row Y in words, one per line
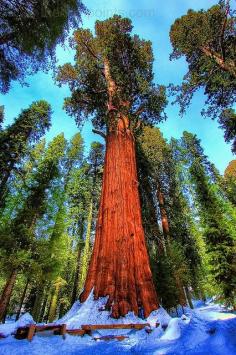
column 95, row 168
column 18, row 238
column 28, row 128
column 58, row 245
column 177, row 259
column 229, row 182
column 217, row 218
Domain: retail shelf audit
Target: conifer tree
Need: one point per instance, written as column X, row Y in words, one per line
column 28, row 128
column 57, row 248
column 229, row 182
column 112, row 81
column 206, row 39
column 217, row 218
column 48, row 23
column 18, row 237
column 95, row 167
column 177, row 259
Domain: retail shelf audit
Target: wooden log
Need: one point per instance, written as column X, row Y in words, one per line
column 22, row 332
column 31, row 332
column 137, row 326
column 80, row 332
column 43, row 328
column 63, row 331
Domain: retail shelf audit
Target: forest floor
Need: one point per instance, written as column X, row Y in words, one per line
column 209, row 329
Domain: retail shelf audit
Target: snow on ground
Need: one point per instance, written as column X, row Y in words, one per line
column 89, row 312
column 9, row 328
column 209, row 329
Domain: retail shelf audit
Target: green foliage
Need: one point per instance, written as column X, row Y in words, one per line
column 130, row 62
column 28, row 128
column 18, row 237
column 207, row 41
column 174, row 256
column 47, row 22
column 218, row 219
column 227, row 121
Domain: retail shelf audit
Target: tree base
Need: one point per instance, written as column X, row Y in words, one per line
column 93, row 312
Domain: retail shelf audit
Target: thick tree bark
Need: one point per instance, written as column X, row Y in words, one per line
column 6, row 294
column 22, row 300
column 119, row 266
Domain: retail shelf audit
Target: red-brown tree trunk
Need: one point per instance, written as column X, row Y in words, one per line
column 164, row 218
column 119, row 266
column 6, row 294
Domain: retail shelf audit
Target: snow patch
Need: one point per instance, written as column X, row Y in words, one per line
column 93, row 312
column 10, row 328
column 204, row 331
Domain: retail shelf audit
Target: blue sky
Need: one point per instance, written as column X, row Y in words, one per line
column 152, row 20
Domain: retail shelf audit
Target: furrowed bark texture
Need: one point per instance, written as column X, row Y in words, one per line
column 119, row 266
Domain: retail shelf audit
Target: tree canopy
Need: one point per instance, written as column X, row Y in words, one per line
column 47, row 22
column 113, row 71
column 206, row 39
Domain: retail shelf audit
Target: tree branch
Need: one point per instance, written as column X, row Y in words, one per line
column 96, row 131
column 229, row 67
column 139, row 110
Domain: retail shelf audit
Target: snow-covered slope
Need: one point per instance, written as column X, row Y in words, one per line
column 92, row 312
column 206, row 330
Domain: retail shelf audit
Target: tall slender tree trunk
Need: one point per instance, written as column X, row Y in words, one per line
column 53, row 305
column 7, row 292
column 119, row 266
column 22, row 299
column 181, row 292
column 38, row 303
column 77, row 271
column 164, row 218
column 166, row 233
column 189, row 298
column 86, row 251
column 3, row 186
column 44, row 305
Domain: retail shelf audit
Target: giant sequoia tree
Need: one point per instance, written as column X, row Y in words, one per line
column 112, row 81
